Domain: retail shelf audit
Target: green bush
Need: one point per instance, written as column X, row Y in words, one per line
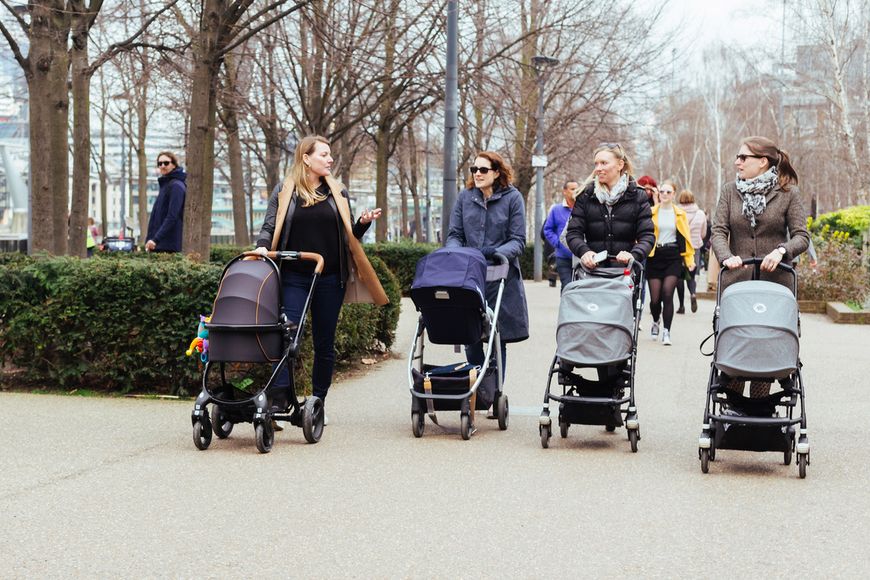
column 839, row 275
column 123, row 325
column 112, row 323
column 401, row 258
column 851, row 220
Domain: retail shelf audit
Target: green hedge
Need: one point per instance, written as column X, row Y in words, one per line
column 401, row 258
column 124, row 324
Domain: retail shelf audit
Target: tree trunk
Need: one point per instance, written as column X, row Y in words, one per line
column 415, row 194
column 142, row 159
column 382, row 161
column 200, row 151
column 385, row 123
column 58, row 138
column 81, row 84
column 229, row 118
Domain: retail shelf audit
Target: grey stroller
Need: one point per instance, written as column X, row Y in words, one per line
column 756, row 338
column 597, row 329
column 250, row 341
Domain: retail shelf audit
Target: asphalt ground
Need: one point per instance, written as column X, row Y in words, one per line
column 110, row 487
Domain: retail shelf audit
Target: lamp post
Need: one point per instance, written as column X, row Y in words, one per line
column 539, row 161
column 451, row 118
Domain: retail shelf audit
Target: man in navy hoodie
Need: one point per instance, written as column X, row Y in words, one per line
column 167, row 215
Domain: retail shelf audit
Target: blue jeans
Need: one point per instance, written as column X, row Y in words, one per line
column 325, row 307
column 565, row 270
column 475, row 354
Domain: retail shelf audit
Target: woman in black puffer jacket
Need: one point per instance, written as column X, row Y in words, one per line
column 612, row 213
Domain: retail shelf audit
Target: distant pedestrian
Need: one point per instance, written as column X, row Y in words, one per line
column 673, row 249
column 556, row 220
column 167, row 215
column 92, row 234
column 760, row 215
column 698, row 228
column 651, row 187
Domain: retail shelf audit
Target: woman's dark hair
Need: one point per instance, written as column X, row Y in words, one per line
column 505, row 173
column 776, row 157
column 171, row 155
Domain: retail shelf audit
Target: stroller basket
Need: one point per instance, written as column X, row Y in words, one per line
column 757, row 331
column 455, row 381
column 246, row 322
column 596, row 322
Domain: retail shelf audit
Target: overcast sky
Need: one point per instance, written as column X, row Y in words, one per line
column 698, row 23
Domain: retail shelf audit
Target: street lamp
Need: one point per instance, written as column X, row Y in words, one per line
column 451, row 117
column 542, row 65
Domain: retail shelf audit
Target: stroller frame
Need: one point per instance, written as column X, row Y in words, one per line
column 423, row 404
column 229, row 408
column 611, row 411
column 751, row 432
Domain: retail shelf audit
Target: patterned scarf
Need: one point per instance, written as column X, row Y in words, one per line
column 611, row 197
column 754, row 191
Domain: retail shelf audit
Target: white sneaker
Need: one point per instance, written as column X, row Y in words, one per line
column 666, row 337
column 325, row 420
column 654, row 330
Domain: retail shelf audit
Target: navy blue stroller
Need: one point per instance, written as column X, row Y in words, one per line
column 756, row 330
column 449, row 292
column 599, row 314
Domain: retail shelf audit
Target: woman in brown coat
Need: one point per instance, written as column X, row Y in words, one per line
column 760, row 215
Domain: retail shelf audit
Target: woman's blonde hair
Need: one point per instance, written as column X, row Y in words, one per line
column 618, row 152
column 296, row 178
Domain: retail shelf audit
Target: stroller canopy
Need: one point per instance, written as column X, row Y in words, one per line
column 758, row 330
column 452, row 268
column 449, row 291
column 596, row 322
column 249, row 294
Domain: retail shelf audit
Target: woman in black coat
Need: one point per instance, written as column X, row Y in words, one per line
column 612, row 213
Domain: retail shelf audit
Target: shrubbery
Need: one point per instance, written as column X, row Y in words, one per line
column 401, row 258
column 839, row 275
column 851, row 220
column 124, row 324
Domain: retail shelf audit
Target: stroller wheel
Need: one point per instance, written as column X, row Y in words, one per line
column 222, row 426
column 418, row 423
column 465, row 427
column 632, row 438
column 503, row 410
column 563, row 427
column 786, row 456
column 545, row 435
column 803, row 459
column 202, row 434
column 705, row 460
column 610, row 428
column 265, row 436
column 313, row 419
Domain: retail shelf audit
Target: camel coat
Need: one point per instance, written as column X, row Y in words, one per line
column 783, row 221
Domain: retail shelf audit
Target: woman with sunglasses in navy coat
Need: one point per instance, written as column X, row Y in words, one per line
column 490, row 215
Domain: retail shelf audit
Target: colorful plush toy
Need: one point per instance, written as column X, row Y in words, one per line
column 200, row 343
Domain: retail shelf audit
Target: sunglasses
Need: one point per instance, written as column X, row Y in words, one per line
column 163, row 163
column 741, row 157
column 481, row 170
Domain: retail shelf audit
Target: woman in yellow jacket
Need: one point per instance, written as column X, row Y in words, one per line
column 673, row 246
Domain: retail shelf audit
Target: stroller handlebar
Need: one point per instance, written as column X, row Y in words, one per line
column 758, row 261
column 288, row 255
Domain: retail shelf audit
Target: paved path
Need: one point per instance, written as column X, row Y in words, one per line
column 115, row 488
